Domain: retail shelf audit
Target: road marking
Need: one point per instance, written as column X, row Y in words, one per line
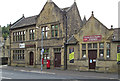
column 3, row 66
column 112, row 78
column 42, row 72
column 37, row 72
column 97, row 77
column 6, row 73
column 6, row 78
column 22, row 70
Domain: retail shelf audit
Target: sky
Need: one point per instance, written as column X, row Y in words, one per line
column 106, row 11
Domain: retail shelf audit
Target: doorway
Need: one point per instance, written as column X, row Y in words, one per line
column 31, row 58
column 57, row 60
column 92, row 55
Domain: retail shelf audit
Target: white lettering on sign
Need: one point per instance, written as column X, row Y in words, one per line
column 22, row 45
column 92, row 38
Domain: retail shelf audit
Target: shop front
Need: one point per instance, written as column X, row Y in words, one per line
column 94, row 49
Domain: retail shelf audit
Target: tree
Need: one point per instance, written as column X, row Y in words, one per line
column 5, row 32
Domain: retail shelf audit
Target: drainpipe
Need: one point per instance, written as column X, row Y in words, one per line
column 10, row 45
column 65, row 45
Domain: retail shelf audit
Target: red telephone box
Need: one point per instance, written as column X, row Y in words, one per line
column 48, row 64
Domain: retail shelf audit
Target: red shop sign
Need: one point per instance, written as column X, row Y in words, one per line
column 118, row 46
column 92, row 38
column 30, row 46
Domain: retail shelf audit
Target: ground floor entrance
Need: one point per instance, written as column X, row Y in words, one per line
column 57, row 60
column 31, row 58
column 92, row 55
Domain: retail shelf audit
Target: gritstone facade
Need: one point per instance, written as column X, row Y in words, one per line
column 68, row 41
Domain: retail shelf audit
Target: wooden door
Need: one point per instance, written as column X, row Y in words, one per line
column 31, row 58
column 57, row 60
column 92, row 54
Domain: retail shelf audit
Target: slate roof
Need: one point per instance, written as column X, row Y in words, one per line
column 72, row 40
column 68, row 8
column 24, row 22
column 116, row 34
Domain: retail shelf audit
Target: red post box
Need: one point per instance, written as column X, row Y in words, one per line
column 48, row 64
column 42, row 60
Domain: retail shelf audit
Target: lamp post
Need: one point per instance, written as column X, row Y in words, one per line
column 42, row 50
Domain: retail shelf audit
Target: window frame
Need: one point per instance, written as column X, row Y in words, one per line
column 45, row 31
column 53, row 30
column 31, row 34
column 108, row 49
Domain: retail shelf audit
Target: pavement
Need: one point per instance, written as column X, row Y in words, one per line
column 95, row 75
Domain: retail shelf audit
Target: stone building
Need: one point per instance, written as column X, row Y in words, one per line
column 6, row 48
column 55, row 24
column 93, row 47
column 1, row 42
column 68, row 41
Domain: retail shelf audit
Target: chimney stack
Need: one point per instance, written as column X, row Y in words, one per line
column 49, row 0
column 92, row 13
column 111, row 26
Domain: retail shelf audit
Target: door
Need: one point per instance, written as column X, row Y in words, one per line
column 57, row 60
column 92, row 54
column 31, row 58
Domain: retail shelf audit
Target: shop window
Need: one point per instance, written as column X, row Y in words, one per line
column 101, row 45
column 108, row 46
column 7, row 47
column 45, row 55
column 71, row 54
column 13, row 55
column 83, row 46
column 46, row 51
column 89, row 45
column 54, row 30
column 18, row 55
column 83, row 50
column 108, row 50
column 56, row 50
column 108, row 53
column 83, row 53
column 101, row 53
column 94, row 45
column 23, row 54
column 45, row 31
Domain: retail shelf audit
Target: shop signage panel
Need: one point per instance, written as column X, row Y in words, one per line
column 30, row 46
column 22, row 45
column 118, row 57
column 92, row 38
column 71, row 55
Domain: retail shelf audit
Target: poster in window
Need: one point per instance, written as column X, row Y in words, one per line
column 71, row 55
column 118, row 53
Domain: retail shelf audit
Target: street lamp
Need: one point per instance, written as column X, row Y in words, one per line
column 42, row 50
